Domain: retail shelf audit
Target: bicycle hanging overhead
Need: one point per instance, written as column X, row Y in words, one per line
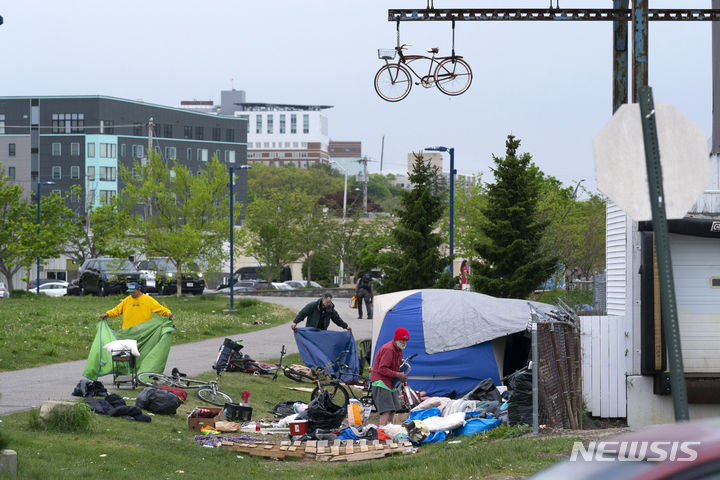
column 451, row 75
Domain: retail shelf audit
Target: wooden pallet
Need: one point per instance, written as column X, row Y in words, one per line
column 322, row 450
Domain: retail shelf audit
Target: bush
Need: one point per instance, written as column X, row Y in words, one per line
column 76, row 419
column 18, row 293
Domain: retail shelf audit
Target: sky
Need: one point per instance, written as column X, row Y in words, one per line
column 547, row 83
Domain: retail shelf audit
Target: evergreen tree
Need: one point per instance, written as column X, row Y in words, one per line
column 414, row 259
column 512, row 264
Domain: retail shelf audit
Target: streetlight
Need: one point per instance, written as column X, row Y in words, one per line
column 37, row 286
column 232, row 236
column 342, row 244
column 452, row 192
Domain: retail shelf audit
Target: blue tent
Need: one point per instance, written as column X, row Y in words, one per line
column 459, row 336
column 320, row 348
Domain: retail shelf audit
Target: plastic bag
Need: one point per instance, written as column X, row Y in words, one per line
column 158, row 401
column 484, row 390
column 323, row 414
column 520, row 397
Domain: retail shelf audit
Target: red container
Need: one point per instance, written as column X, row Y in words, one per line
column 298, row 427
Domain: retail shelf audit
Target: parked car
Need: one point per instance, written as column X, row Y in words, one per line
column 242, row 286
column 4, row 292
column 281, row 286
column 73, row 287
column 302, row 284
column 57, row 288
column 103, row 276
column 160, row 275
column 32, row 284
column 255, row 272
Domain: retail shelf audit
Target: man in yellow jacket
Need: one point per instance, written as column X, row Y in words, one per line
column 137, row 308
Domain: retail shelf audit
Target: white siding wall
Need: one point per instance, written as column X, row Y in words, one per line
column 616, row 259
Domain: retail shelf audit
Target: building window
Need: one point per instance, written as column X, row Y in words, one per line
column 137, row 129
column 258, row 124
column 56, row 149
column 170, row 153
column 74, row 149
column 109, row 127
column 90, row 194
column 187, row 131
column 11, row 173
column 123, row 150
column 293, row 123
column 282, row 123
column 68, row 122
column 168, row 130
column 270, row 124
column 303, row 154
column 266, row 144
column 199, row 133
column 91, row 173
column 157, row 129
column 11, row 149
column 189, row 154
column 230, row 135
column 137, row 151
column 306, row 123
column 216, row 134
column 75, row 198
column 108, row 150
column 2, row 123
column 107, row 174
column 202, row 155
column 75, row 172
column 91, row 149
column 230, row 156
column 56, row 173
column 106, row 196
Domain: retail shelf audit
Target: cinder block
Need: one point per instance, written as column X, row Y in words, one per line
column 8, row 462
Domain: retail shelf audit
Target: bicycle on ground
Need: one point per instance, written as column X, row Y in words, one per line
column 451, row 75
column 207, row 391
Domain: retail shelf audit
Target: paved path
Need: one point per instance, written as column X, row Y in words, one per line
column 29, row 388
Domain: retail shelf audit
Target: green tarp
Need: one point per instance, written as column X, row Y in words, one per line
column 153, row 340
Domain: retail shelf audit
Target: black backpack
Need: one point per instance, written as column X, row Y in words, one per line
column 365, row 282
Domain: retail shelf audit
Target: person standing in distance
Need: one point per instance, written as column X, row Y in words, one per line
column 319, row 313
column 385, row 370
column 136, row 308
column 364, row 291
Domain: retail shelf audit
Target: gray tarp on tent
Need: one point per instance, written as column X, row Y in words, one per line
column 454, row 319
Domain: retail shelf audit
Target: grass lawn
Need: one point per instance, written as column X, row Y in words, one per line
column 43, row 330
column 120, row 449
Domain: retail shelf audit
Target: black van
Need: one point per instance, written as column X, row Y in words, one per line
column 256, row 273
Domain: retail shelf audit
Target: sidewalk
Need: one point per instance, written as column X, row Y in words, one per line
column 29, row 388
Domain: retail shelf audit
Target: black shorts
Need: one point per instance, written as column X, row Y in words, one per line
column 385, row 400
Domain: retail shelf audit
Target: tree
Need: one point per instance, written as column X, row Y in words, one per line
column 312, row 228
column 20, row 243
column 271, row 233
column 413, row 260
column 513, row 263
column 185, row 216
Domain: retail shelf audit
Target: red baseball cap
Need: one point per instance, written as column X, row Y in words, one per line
column 401, row 334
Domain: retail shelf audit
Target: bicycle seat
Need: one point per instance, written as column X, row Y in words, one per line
column 433, row 50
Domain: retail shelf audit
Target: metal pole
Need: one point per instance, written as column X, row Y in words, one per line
column 452, row 203
column 535, row 406
column 232, row 247
column 620, row 58
column 640, row 47
column 342, row 246
column 668, row 306
column 37, row 279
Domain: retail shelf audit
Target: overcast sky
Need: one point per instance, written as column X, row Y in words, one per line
column 548, row 83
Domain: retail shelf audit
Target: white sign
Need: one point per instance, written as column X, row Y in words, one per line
column 620, row 167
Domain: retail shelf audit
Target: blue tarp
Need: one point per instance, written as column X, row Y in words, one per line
column 441, row 373
column 320, row 348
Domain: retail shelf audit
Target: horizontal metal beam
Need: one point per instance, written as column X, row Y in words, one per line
column 545, row 14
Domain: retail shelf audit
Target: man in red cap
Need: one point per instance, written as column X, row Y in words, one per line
column 384, row 371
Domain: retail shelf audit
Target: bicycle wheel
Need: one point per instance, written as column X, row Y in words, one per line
column 393, row 82
column 453, row 78
column 150, row 379
column 338, row 395
column 297, row 376
column 215, row 397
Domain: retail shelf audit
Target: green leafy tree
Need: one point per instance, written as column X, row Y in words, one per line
column 183, row 215
column 20, row 243
column 265, row 180
column 513, row 262
column 271, row 231
column 312, row 228
column 413, row 259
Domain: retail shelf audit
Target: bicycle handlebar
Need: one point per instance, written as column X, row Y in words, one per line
column 403, row 46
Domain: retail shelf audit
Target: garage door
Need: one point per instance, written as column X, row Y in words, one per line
column 696, row 266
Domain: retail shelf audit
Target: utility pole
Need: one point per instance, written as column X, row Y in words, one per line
column 148, row 200
column 150, row 134
column 382, row 152
column 365, row 182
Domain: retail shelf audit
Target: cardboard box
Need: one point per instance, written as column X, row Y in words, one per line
column 204, row 417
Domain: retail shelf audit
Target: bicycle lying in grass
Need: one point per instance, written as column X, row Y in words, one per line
column 451, row 75
column 331, row 378
column 207, row 391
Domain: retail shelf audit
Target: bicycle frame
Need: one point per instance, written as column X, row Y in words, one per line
column 434, row 63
